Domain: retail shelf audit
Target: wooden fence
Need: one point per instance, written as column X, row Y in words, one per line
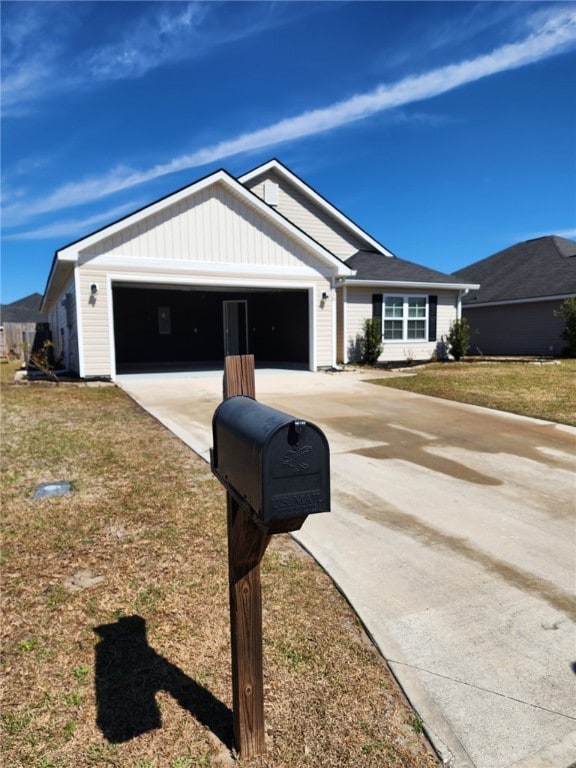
column 18, row 340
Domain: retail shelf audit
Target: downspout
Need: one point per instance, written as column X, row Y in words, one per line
column 79, row 322
column 334, row 299
column 459, row 303
column 340, row 282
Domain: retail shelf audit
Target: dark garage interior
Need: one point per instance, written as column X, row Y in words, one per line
column 168, row 328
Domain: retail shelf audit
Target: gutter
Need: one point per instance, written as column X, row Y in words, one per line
column 529, row 300
column 463, row 287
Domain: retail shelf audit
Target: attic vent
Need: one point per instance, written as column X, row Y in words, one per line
column 270, row 193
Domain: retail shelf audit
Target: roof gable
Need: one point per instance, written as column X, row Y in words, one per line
column 543, row 267
column 274, row 166
column 66, row 257
column 70, row 252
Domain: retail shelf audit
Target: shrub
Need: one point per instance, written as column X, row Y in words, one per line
column 371, row 341
column 42, row 360
column 568, row 312
column 458, row 338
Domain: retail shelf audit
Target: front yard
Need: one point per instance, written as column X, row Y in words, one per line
column 543, row 390
column 115, row 627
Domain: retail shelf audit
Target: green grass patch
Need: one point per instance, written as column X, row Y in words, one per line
column 543, row 390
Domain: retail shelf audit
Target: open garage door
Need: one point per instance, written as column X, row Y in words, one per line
column 161, row 328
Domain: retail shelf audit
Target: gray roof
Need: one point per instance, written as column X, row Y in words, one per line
column 373, row 266
column 536, row 268
column 26, row 310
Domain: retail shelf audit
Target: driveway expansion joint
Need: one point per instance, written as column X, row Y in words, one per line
column 481, row 688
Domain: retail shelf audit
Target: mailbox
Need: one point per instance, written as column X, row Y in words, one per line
column 275, row 465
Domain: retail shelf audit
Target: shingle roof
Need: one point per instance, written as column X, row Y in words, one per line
column 536, row 268
column 370, row 265
column 26, row 310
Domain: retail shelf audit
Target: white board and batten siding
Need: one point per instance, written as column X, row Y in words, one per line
column 358, row 308
column 211, row 227
column 210, row 239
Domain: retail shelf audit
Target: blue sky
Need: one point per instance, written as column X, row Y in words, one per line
column 446, row 130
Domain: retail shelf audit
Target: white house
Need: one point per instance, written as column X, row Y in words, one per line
column 260, row 264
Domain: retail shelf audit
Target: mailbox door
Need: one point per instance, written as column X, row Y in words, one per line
column 296, row 474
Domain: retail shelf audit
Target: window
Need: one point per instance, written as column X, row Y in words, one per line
column 394, row 317
column 405, row 318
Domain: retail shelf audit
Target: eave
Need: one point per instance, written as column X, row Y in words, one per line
column 527, row 300
column 408, row 284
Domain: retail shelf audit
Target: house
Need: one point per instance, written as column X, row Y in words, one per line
column 261, row 264
column 521, row 288
column 23, row 328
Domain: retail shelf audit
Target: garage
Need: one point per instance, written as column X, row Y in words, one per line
column 210, row 270
column 174, row 327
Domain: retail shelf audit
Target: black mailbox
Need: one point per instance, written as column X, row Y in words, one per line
column 275, row 465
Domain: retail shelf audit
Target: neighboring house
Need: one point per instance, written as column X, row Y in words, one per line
column 260, row 264
column 521, row 288
column 23, row 327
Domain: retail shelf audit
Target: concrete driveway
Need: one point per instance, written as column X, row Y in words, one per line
column 452, row 535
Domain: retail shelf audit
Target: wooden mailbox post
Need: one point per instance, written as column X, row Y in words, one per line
column 302, row 486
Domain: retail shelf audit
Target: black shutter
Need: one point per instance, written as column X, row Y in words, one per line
column 432, row 317
column 377, row 305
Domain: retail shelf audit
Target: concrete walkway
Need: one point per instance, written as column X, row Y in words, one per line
column 452, row 535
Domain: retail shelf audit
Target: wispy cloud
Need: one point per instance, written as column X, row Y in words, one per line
column 150, row 41
column 569, row 233
column 555, row 34
column 70, row 227
column 182, row 30
column 34, row 37
column 44, row 54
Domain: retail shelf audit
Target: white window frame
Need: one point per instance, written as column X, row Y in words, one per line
column 405, row 318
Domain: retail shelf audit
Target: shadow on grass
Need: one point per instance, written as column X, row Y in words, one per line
column 129, row 673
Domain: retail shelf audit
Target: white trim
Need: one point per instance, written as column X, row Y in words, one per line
column 79, row 308
column 67, row 256
column 345, row 323
column 534, row 300
column 332, row 297
column 318, row 199
column 205, row 267
column 111, row 335
column 204, row 281
column 112, row 278
column 406, row 285
column 312, row 352
column 405, row 319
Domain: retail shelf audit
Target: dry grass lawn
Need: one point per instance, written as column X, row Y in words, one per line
column 115, row 627
column 541, row 390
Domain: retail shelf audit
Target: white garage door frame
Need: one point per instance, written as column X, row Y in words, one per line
column 118, row 279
